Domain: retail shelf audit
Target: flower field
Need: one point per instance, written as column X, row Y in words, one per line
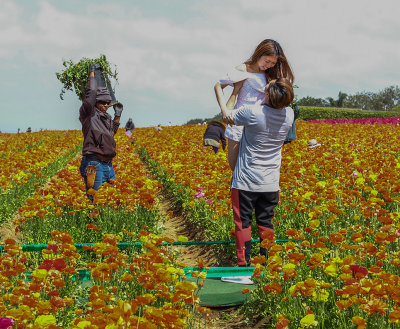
column 338, row 215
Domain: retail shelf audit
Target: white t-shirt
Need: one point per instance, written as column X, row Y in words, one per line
column 260, row 153
column 252, row 92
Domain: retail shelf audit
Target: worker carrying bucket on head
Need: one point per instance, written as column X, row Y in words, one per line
column 99, row 128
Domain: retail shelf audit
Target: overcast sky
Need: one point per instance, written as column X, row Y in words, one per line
column 170, row 53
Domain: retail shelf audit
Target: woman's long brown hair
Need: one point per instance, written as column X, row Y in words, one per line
column 269, row 47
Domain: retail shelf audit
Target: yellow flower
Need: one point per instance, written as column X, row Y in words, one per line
column 203, row 275
column 308, row 321
column 321, row 295
column 81, row 324
column 45, row 320
column 182, row 238
column 40, row 273
column 289, row 266
column 314, row 224
column 331, row 270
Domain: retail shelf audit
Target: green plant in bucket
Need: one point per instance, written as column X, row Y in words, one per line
column 75, row 75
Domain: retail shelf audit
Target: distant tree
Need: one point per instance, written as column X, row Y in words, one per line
column 383, row 100
column 311, row 101
column 194, row 121
column 387, row 98
column 331, row 101
column 361, row 100
column 341, row 98
column 337, row 102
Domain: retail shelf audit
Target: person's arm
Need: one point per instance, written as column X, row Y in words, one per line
column 89, row 100
column 230, row 104
column 118, row 108
column 221, row 101
column 242, row 116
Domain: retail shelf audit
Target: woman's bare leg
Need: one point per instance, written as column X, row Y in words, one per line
column 233, row 151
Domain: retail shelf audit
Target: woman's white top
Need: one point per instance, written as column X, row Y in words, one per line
column 252, row 92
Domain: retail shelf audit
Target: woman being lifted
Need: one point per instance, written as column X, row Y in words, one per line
column 249, row 79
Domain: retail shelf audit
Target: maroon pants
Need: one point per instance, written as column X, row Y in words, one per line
column 243, row 204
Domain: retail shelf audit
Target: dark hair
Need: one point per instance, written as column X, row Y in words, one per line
column 269, row 47
column 280, row 93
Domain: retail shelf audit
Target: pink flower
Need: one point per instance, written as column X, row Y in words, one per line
column 209, row 201
column 200, row 189
column 6, row 323
column 199, row 195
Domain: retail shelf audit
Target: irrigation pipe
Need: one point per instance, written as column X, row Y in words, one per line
column 126, row 245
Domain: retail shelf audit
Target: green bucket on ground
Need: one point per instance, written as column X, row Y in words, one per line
column 217, row 293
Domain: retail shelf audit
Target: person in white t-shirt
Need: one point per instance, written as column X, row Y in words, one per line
column 255, row 182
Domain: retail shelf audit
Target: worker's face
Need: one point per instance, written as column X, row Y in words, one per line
column 103, row 105
column 266, row 62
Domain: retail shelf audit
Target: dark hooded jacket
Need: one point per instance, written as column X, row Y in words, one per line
column 216, row 131
column 98, row 127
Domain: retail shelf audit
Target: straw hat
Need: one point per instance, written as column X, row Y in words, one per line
column 313, row 143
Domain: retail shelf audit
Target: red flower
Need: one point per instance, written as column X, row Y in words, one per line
column 359, row 272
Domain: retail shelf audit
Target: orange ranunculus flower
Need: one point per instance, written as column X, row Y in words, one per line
column 375, row 305
column 295, row 257
column 258, row 260
column 273, row 288
column 57, row 302
column 291, row 232
column 245, row 291
column 282, row 321
column 274, row 262
column 359, row 322
column 268, row 234
column 336, row 238
column 343, row 303
column 289, row 245
column 315, row 260
column 93, row 227
column 380, row 237
column 145, row 299
column 394, row 316
column 200, row 263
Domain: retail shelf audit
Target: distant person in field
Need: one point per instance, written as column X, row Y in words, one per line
column 99, row 147
column 129, row 125
column 29, row 130
column 255, row 182
column 268, row 62
column 213, row 135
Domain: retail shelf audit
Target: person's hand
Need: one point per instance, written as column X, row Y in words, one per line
column 118, row 108
column 227, row 119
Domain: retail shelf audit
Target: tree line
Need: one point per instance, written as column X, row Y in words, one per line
column 384, row 100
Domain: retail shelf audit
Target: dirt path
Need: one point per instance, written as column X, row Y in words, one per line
column 7, row 231
column 177, row 225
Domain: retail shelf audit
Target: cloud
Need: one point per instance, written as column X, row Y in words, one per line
column 170, row 56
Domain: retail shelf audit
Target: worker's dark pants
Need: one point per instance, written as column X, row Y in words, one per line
column 243, row 204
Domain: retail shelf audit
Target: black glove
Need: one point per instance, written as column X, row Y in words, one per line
column 94, row 67
column 118, row 108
